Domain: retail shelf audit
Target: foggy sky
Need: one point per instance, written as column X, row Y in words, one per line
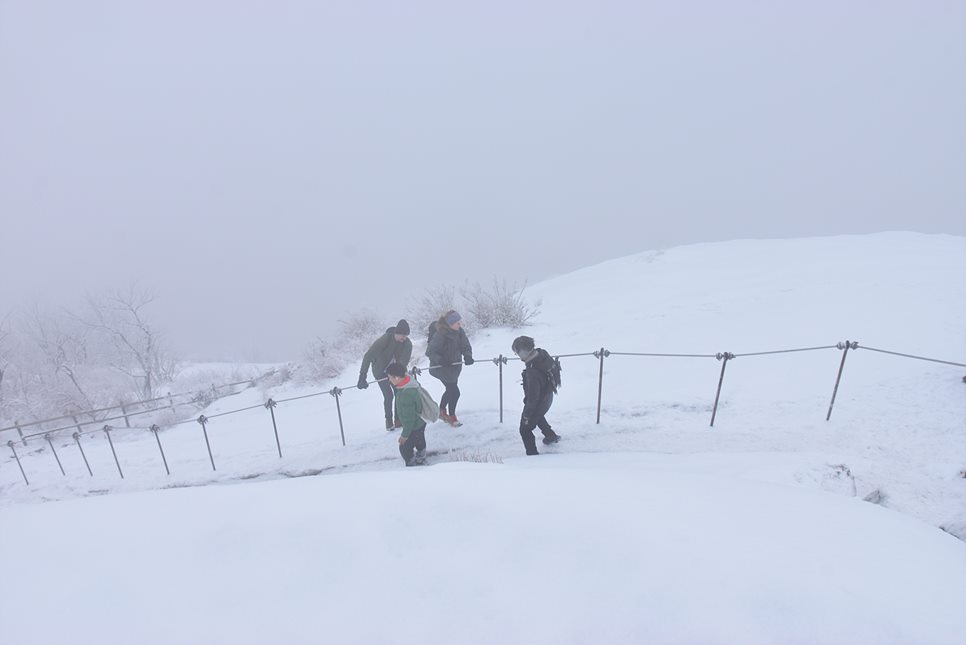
column 268, row 166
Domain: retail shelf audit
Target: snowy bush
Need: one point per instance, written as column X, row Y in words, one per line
column 356, row 333
column 475, row 456
column 500, row 305
column 326, row 359
column 429, row 307
column 320, row 362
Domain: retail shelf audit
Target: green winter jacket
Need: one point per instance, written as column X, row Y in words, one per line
column 385, row 351
column 408, row 406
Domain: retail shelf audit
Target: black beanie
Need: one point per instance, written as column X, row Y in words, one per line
column 402, row 327
column 396, row 369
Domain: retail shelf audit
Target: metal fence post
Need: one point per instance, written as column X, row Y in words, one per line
column 154, row 428
column 336, row 392
column 127, row 422
column 20, row 432
column 501, row 361
column 107, row 431
column 203, row 420
column 17, row 457
column 270, row 404
column 846, row 346
column 76, row 436
column 170, row 402
column 602, row 354
column 54, row 451
column 725, row 357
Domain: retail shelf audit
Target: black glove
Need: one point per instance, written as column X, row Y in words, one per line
column 363, row 384
column 468, row 360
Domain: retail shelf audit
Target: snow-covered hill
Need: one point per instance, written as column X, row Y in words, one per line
column 772, row 485
column 624, row 548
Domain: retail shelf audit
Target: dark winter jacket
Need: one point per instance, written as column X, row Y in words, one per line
column 537, row 385
column 385, row 351
column 408, row 406
column 445, row 348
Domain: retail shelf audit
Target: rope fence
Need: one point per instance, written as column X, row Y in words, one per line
column 198, row 395
column 336, row 392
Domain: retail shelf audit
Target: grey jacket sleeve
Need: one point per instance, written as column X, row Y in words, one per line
column 404, row 353
column 369, row 355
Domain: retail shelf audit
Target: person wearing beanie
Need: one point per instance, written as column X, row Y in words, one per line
column 409, row 403
column 448, row 350
column 392, row 348
column 539, row 385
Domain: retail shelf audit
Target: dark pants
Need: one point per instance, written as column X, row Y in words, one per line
column 387, row 394
column 536, row 418
column 450, row 397
column 416, row 441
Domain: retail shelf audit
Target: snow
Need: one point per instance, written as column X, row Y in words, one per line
column 570, row 548
column 649, row 526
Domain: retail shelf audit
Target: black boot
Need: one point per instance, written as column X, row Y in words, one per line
column 553, row 437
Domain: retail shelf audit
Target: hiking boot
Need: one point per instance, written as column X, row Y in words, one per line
column 419, row 458
column 453, row 421
column 446, row 418
column 389, row 425
column 554, row 438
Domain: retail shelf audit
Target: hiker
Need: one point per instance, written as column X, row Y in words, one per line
column 392, row 348
column 412, row 439
column 448, row 350
column 541, row 377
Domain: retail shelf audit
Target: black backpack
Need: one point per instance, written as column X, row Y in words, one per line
column 432, row 332
column 552, row 375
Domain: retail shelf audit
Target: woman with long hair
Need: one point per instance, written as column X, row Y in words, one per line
column 448, row 350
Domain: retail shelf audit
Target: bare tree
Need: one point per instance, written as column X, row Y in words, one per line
column 4, row 355
column 138, row 347
column 63, row 350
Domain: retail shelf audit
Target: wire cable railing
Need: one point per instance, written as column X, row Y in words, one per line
column 415, row 371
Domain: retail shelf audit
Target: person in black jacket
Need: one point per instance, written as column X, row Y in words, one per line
column 448, row 350
column 392, row 347
column 538, row 389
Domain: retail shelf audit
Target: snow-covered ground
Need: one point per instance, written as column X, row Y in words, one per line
column 757, row 522
column 628, row 548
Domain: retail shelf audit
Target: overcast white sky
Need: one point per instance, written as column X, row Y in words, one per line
column 268, row 166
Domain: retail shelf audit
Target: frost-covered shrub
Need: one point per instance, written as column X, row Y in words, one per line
column 500, row 305
column 326, row 359
column 429, row 307
column 475, row 456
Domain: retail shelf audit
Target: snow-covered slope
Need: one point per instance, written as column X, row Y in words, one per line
column 751, row 531
column 624, row 548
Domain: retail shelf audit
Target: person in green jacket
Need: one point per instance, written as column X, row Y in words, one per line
column 412, row 439
column 392, row 348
